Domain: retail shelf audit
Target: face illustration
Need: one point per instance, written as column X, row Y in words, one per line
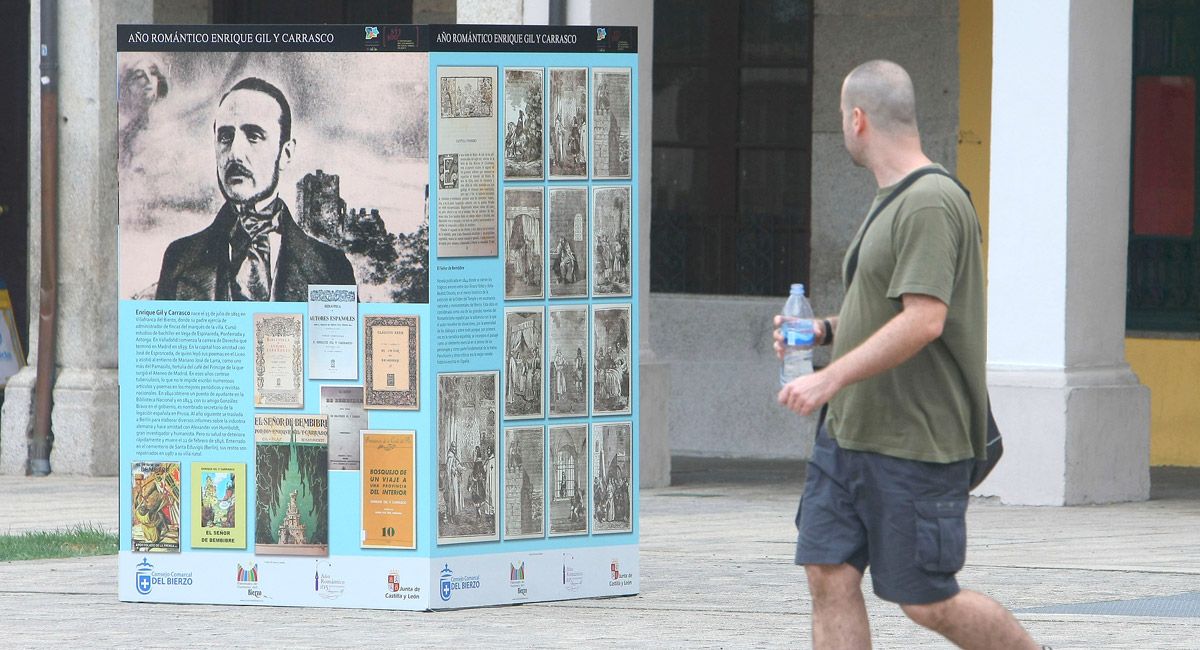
column 249, row 152
column 141, row 83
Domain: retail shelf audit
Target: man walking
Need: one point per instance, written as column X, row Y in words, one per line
column 907, row 397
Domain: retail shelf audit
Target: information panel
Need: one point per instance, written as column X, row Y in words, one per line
column 378, row 325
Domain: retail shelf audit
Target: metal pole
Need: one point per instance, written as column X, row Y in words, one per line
column 558, row 12
column 43, row 439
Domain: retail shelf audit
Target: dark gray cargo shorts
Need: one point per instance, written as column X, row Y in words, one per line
column 905, row 519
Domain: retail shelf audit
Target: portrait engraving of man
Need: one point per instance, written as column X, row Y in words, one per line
column 253, row 249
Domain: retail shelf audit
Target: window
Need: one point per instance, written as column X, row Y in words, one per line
column 1163, row 291
column 732, row 146
column 564, row 475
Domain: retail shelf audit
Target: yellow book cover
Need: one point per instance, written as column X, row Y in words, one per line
column 389, row 507
column 219, row 505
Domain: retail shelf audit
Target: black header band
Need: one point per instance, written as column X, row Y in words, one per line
column 375, row 38
column 532, row 38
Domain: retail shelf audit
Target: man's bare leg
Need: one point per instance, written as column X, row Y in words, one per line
column 971, row 620
column 839, row 617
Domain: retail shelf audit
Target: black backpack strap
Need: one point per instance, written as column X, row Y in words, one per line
column 852, row 265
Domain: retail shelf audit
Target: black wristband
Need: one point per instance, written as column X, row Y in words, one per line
column 828, row 338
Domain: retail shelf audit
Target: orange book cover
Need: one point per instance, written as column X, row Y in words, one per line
column 389, row 512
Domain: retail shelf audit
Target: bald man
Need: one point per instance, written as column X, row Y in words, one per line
column 888, row 479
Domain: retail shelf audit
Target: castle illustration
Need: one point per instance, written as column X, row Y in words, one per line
column 323, row 213
column 291, row 531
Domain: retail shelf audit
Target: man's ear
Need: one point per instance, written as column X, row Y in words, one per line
column 858, row 119
column 285, row 153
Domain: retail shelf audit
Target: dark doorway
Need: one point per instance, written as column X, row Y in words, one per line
column 282, row 12
column 14, row 159
column 732, row 140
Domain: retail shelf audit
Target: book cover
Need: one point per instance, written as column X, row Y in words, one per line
column 291, row 463
column 218, row 505
column 156, row 510
column 389, row 506
column 347, row 417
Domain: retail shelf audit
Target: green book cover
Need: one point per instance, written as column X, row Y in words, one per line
column 219, row 505
column 291, row 466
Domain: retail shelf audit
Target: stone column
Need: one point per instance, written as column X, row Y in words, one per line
column 490, row 12
column 1075, row 418
column 84, row 417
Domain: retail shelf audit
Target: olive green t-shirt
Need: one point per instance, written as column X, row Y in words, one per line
column 932, row 407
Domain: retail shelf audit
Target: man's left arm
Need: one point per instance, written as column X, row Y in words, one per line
column 918, row 324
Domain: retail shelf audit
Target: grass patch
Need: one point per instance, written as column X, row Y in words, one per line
column 78, row 541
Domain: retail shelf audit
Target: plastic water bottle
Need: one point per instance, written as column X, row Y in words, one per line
column 797, row 330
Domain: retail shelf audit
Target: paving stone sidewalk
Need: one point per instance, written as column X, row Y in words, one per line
column 716, row 573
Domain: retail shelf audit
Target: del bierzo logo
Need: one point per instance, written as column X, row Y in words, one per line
column 146, row 578
column 516, row 579
column 397, row 589
column 618, row 579
column 247, row 580
column 450, row 584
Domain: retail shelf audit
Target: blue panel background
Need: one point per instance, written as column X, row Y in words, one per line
column 344, row 488
column 494, row 266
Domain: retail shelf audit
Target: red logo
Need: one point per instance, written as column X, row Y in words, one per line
column 394, row 582
column 616, row 570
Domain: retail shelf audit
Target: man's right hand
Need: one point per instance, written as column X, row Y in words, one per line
column 818, row 334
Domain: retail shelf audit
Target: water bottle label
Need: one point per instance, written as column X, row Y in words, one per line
column 798, row 336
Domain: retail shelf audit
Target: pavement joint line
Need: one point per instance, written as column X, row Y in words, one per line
column 1068, row 567
column 57, row 593
column 682, row 610
column 1123, row 619
column 1060, row 540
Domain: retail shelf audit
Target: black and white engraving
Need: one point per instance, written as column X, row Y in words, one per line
column 524, row 234
column 523, row 362
column 612, row 490
column 568, row 487
column 467, row 446
column 611, row 378
column 524, row 482
column 466, row 96
column 523, row 134
column 568, row 123
column 611, row 242
column 568, row 363
column 304, row 188
column 568, row 242
column 448, row 171
column 467, row 154
column 611, row 123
